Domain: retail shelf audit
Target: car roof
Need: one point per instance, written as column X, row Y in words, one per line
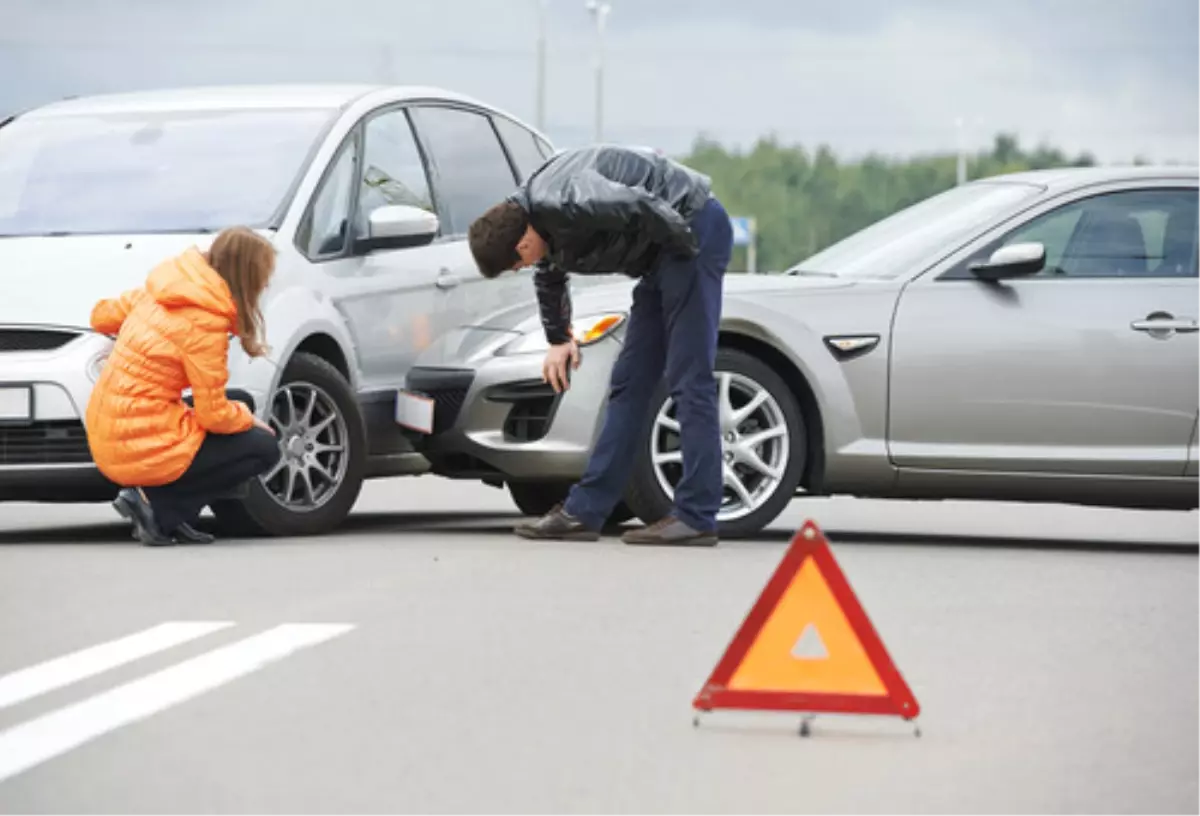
column 1068, row 178
column 246, row 97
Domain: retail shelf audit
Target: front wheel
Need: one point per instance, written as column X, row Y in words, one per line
column 763, row 448
column 323, row 443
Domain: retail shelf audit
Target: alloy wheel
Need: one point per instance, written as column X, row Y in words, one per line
column 313, row 440
column 755, row 445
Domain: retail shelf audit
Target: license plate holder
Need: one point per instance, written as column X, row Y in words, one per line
column 16, row 404
column 415, row 411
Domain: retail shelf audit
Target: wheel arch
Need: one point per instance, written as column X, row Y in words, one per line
column 745, row 340
column 323, row 345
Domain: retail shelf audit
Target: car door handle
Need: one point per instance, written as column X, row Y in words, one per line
column 1165, row 324
column 447, row 280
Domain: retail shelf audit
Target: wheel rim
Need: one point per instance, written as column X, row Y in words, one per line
column 755, row 445
column 312, row 438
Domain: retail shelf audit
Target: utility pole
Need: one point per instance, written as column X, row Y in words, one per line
column 541, row 65
column 599, row 11
column 962, row 152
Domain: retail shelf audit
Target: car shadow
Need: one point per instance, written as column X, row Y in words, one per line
column 465, row 522
column 875, row 537
column 118, row 531
column 456, row 524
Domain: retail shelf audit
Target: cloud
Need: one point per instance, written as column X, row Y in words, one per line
column 1110, row 76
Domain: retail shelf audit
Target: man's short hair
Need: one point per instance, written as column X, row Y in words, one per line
column 494, row 236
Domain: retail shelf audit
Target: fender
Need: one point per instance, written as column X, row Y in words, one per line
column 851, row 395
column 292, row 315
column 803, row 346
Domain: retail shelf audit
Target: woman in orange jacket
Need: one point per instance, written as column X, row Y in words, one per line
column 174, row 334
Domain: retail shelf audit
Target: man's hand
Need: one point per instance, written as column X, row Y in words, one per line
column 258, row 423
column 554, row 368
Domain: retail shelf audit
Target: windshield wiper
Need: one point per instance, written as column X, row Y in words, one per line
column 810, row 273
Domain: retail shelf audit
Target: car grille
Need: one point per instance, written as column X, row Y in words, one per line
column 529, row 421
column 447, row 387
column 448, row 403
column 44, row 443
column 34, row 339
column 533, row 406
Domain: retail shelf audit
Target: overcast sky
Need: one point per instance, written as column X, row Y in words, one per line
column 1116, row 77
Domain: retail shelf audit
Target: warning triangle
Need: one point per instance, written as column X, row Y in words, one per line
column 808, row 645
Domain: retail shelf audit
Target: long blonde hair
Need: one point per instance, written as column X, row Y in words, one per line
column 245, row 261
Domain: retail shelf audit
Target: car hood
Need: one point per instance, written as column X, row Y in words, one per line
column 615, row 296
column 57, row 280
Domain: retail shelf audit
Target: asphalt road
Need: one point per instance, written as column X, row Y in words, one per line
column 423, row 659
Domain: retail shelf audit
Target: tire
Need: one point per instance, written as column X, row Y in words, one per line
column 262, row 510
column 539, row 498
column 649, row 500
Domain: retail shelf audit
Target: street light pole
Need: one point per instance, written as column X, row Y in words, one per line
column 541, row 65
column 962, row 152
column 599, row 11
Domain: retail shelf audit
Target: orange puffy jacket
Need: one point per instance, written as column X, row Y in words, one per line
column 172, row 334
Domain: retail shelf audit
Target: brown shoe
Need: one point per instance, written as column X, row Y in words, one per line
column 557, row 525
column 670, row 531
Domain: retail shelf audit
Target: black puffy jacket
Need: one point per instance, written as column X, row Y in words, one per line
column 605, row 210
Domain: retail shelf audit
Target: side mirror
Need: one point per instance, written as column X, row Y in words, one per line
column 397, row 226
column 1013, row 261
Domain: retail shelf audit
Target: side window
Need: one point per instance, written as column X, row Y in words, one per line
column 470, row 170
column 324, row 231
column 522, row 146
column 392, row 169
column 1141, row 233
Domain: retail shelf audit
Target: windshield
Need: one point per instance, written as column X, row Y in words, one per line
column 162, row 171
column 891, row 247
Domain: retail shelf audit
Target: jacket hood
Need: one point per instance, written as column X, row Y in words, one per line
column 188, row 281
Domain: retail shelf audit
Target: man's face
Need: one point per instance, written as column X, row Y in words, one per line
column 531, row 248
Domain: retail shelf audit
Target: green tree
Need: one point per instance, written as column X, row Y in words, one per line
column 804, row 201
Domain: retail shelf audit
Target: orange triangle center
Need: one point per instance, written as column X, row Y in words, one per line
column 808, row 645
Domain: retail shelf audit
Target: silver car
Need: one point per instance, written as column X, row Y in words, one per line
column 366, row 193
column 1030, row 337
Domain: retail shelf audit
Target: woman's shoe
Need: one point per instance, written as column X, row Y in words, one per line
column 187, row 534
column 130, row 505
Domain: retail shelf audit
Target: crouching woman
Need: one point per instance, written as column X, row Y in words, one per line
column 172, row 334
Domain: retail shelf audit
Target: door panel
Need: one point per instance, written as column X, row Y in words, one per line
column 394, row 301
column 390, row 300
column 1055, row 373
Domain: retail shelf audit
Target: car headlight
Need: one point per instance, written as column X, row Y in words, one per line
column 96, row 365
column 587, row 330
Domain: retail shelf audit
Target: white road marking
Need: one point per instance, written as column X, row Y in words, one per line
column 31, row 743
column 25, row 684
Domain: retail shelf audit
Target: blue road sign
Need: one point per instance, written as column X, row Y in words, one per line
column 741, row 230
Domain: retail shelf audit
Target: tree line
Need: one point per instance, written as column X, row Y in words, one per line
column 804, row 201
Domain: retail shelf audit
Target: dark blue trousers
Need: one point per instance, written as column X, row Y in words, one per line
column 672, row 329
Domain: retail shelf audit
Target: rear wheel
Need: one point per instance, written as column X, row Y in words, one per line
column 763, row 445
column 317, row 480
column 539, row 498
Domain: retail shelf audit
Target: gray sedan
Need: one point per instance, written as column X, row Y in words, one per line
column 1029, row 337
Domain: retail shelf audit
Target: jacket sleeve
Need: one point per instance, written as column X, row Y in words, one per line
column 109, row 315
column 554, row 303
column 205, row 357
column 611, row 205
